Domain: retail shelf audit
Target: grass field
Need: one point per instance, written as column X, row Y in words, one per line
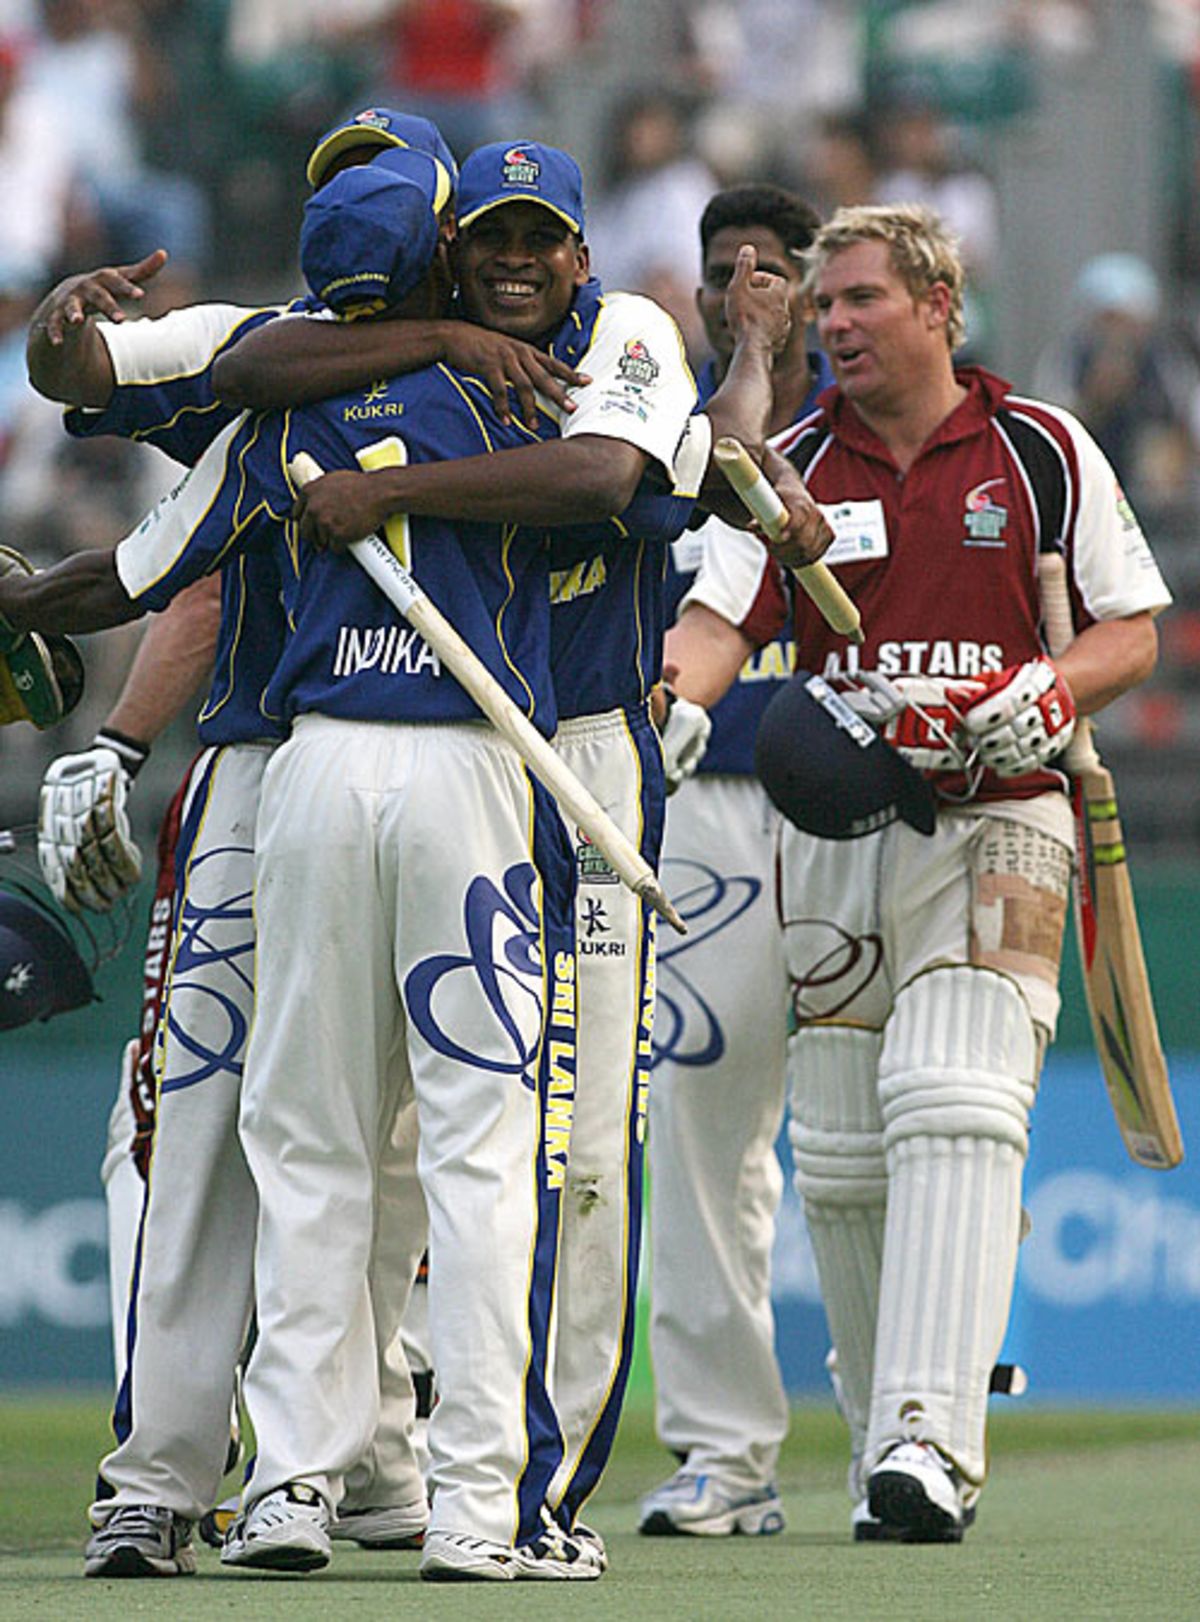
column 1088, row 1515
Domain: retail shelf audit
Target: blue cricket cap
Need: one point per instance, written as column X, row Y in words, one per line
column 383, row 127
column 521, row 172
column 369, row 234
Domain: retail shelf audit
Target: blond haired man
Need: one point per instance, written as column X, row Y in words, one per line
column 924, row 968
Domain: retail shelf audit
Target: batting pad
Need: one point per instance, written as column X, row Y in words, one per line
column 957, row 1080
column 836, row 1134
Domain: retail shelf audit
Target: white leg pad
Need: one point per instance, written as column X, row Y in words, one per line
column 957, row 1079
column 836, row 1133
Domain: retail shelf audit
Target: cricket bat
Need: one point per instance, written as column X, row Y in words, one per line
column 1124, row 1026
column 759, row 498
column 373, row 554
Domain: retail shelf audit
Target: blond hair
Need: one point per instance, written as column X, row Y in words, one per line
column 921, row 250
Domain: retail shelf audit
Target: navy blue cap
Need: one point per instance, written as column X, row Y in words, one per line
column 384, row 127
column 521, row 172
column 827, row 769
column 369, row 234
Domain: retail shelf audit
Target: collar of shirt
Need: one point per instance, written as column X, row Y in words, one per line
column 985, row 392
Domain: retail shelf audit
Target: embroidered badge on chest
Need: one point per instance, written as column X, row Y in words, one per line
column 985, row 518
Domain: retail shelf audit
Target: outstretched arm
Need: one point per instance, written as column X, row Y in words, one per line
column 66, row 357
column 83, row 593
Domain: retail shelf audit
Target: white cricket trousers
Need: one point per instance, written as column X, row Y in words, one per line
column 191, row 1292
column 414, row 908
column 716, row 1107
column 617, row 754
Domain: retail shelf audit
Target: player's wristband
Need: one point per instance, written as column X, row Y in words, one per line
column 132, row 753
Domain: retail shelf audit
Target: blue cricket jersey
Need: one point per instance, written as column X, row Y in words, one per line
column 348, row 652
column 606, row 577
column 163, row 396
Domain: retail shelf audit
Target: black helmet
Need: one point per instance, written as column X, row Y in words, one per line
column 41, row 971
column 47, row 959
column 827, row 769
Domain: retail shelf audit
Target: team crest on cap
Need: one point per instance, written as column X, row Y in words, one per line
column 520, row 168
column 985, row 518
column 637, row 364
column 375, row 117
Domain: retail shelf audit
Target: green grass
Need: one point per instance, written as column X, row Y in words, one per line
column 1088, row 1515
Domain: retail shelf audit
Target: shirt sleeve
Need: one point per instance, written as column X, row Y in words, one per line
column 642, row 390
column 1112, row 564
column 225, row 502
column 162, row 368
column 737, row 579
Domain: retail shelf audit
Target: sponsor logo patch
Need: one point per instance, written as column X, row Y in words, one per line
column 985, row 518
column 637, row 364
column 520, row 168
column 590, row 865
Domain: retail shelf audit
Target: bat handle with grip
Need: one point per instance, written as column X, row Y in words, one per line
column 1080, row 755
column 575, row 799
column 762, row 500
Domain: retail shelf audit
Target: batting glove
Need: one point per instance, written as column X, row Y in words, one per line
column 918, row 715
column 1023, row 718
column 684, row 739
column 86, row 850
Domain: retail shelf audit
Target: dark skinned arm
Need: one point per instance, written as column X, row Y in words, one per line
column 296, row 360
column 81, row 594
column 569, row 481
column 66, row 357
column 565, row 481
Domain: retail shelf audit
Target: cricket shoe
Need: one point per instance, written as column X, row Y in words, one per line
column 701, row 1506
column 914, row 1492
column 592, row 1544
column 553, row 1556
column 215, row 1522
column 867, row 1529
column 141, row 1540
column 400, row 1526
column 285, row 1530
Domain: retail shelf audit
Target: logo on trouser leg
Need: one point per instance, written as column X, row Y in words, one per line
column 502, row 957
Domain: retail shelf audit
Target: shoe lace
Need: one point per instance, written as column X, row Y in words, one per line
column 149, row 1521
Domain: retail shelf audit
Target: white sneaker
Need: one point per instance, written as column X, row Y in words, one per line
column 400, row 1526
column 141, row 1540
column 285, row 1530
column 592, row 1544
column 553, row 1556
column 914, row 1491
column 704, row 1507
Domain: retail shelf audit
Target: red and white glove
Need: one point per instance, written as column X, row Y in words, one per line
column 1021, row 719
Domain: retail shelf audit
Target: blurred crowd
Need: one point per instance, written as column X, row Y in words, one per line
column 127, row 125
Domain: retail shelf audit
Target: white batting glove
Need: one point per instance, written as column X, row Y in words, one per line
column 86, row 850
column 684, row 739
column 1024, row 717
